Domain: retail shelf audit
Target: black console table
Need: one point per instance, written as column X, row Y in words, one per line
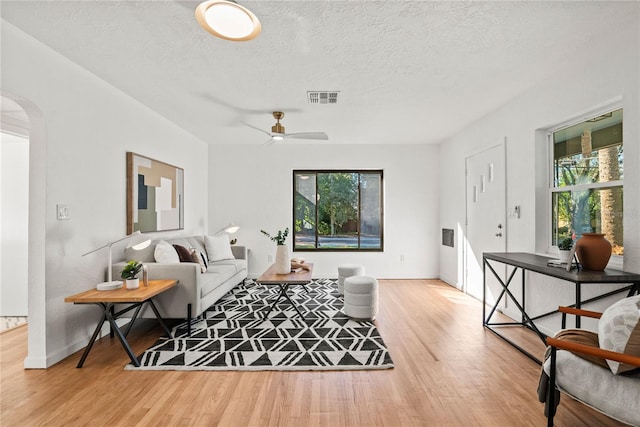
column 537, row 263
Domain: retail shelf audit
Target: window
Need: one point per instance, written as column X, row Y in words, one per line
column 588, row 173
column 337, row 210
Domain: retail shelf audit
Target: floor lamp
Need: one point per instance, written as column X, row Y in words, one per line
column 137, row 241
column 229, row 229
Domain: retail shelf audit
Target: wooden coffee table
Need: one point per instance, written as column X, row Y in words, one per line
column 107, row 300
column 269, row 277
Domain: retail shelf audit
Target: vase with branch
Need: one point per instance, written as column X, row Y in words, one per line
column 283, row 265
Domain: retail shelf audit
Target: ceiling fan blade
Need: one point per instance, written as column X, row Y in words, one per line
column 269, row 141
column 307, row 135
column 257, row 128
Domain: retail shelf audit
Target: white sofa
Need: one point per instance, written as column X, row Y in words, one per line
column 195, row 291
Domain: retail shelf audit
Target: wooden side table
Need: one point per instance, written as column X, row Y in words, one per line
column 106, row 300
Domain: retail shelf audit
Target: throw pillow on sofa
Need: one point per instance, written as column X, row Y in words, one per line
column 165, row 253
column 183, row 253
column 199, row 258
column 218, row 247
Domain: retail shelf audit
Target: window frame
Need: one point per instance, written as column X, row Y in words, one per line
column 379, row 172
column 616, row 260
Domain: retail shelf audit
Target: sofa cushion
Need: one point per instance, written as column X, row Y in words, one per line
column 218, row 247
column 215, row 276
column 619, row 331
column 237, row 264
column 165, row 253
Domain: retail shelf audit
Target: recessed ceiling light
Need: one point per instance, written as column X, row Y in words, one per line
column 228, row 20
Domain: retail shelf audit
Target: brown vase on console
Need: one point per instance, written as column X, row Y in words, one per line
column 593, row 251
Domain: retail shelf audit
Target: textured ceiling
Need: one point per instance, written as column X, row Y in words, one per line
column 408, row 72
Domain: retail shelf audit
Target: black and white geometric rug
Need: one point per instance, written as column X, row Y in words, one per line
column 232, row 335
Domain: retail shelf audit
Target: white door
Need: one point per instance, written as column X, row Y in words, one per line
column 485, row 229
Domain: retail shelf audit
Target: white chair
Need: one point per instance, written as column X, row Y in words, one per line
column 348, row 270
column 361, row 297
column 598, row 384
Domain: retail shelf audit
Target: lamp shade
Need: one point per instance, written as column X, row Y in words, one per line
column 228, row 20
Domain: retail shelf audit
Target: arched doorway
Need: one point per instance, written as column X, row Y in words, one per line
column 36, row 288
column 14, row 217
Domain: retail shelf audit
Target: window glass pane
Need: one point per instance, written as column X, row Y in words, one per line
column 337, row 210
column 596, row 210
column 371, row 211
column 589, row 152
column 304, row 200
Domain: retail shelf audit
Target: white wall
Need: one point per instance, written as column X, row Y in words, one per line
column 14, row 224
column 252, row 186
column 608, row 73
column 78, row 147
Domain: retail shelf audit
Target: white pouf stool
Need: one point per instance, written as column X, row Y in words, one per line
column 348, row 270
column 361, row 297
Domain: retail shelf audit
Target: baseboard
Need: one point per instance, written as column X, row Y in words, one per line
column 74, row 347
column 35, row 363
column 450, row 282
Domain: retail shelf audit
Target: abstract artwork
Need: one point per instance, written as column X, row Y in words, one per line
column 155, row 195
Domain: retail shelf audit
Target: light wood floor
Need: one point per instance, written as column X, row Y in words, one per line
column 449, row 371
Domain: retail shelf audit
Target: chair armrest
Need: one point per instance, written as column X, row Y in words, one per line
column 239, row 252
column 593, row 351
column 579, row 312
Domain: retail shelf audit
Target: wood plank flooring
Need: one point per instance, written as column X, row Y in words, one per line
column 449, row 371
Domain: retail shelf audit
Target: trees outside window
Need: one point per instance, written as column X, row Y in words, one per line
column 337, row 210
column 588, row 176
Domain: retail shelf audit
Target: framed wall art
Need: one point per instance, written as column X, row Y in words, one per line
column 155, row 195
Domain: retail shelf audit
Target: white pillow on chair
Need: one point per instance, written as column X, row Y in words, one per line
column 218, row 247
column 619, row 331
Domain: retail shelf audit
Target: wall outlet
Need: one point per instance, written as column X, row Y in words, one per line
column 401, row 257
column 270, row 258
column 63, row 212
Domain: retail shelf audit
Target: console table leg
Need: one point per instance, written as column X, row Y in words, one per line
column 123, row 340
column 93, row 338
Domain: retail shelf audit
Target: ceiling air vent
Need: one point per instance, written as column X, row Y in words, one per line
column 326, row 97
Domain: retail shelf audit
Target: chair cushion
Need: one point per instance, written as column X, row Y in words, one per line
column 617, row 396
column 619, row 331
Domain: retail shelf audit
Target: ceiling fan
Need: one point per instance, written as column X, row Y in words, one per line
column 278, row 134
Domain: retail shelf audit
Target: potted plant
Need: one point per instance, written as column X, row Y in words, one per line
column 283, row 266
column 564, row 248
column 129, row 273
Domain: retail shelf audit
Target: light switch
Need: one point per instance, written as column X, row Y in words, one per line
column 63, row 212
